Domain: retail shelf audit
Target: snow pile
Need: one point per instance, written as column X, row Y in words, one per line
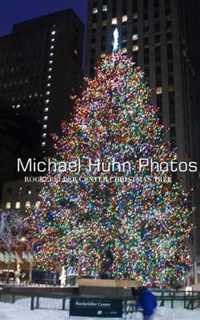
column 21, row 311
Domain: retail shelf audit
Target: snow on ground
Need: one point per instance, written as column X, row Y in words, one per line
column 21, row 311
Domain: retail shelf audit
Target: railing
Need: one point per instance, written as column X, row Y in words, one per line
column 50, row 297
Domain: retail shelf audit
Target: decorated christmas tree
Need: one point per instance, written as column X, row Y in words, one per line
column 113, row 212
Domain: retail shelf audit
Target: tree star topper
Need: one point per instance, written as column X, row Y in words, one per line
column 116, row 40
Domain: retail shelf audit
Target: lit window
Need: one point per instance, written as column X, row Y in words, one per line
column 47, row 101
column 44, row 135
column 135, row 16
column 105, row 8
column 13, row 106
column 49, row 76
column 46, row 109
column 8, row 205
column 30, row 96
column 124, row 50
column 135, row 37
column 17, row 205
column 75, row 52
column 125, row 18
column 45, row 118
column 159, row 90
column 53, row 39
column 50, row 61
column 114, row 21
column 51, row 54
column 36, row 94
column 43, row 144
column 48, row 93
column 18, row 106
column 52, row 47
column 48, row 84
column 50, row 69
column 37, row 204
column 27, row 204
column 135, row 48
column 53, row 32
column 95, row 10
column 44, row 126
column 29, row 192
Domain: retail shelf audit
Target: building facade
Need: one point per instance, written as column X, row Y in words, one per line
column 40, row 68
column 161, row 36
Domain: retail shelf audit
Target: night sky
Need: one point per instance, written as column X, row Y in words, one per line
column 15, row 11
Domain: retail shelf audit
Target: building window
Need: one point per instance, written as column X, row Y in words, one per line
column 170, row 79
column 27, row 204
column 146, row 41
column 146, row 56
column 156, row 3
column 169, row 36
column 169, row 51
column 157, row 27
column 135, row 37
column 135, row 16
column 45, row 118
column 124, row 18
column 114, row 21
column 43, row 144
column 18, row 205
column 135, row 48
column 146, row 16
column 170, row 67
column 146, row 73
column 105, row 8
column 159, row 104
column 172, row 117
column 168, row 25
column 159, row 91
column 94, row 18
column 156, row 14
column 158, row 79
column 173, row 137
column 146, row 28
column 44, row 126
column 8, row 205
column 157, row 54
column 94, row 10
column 134, row 5
column 157, row 38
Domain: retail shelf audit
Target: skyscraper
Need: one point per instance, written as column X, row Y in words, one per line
column 40, row 68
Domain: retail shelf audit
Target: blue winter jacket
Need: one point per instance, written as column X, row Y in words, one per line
column 147, row 301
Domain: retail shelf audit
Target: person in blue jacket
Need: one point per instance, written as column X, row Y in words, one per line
column 146, row 301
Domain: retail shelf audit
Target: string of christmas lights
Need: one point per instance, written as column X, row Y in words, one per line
column 136, row 225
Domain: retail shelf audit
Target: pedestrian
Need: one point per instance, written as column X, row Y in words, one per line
column 146, row 301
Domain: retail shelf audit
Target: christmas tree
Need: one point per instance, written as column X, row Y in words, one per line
column 111, row 215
